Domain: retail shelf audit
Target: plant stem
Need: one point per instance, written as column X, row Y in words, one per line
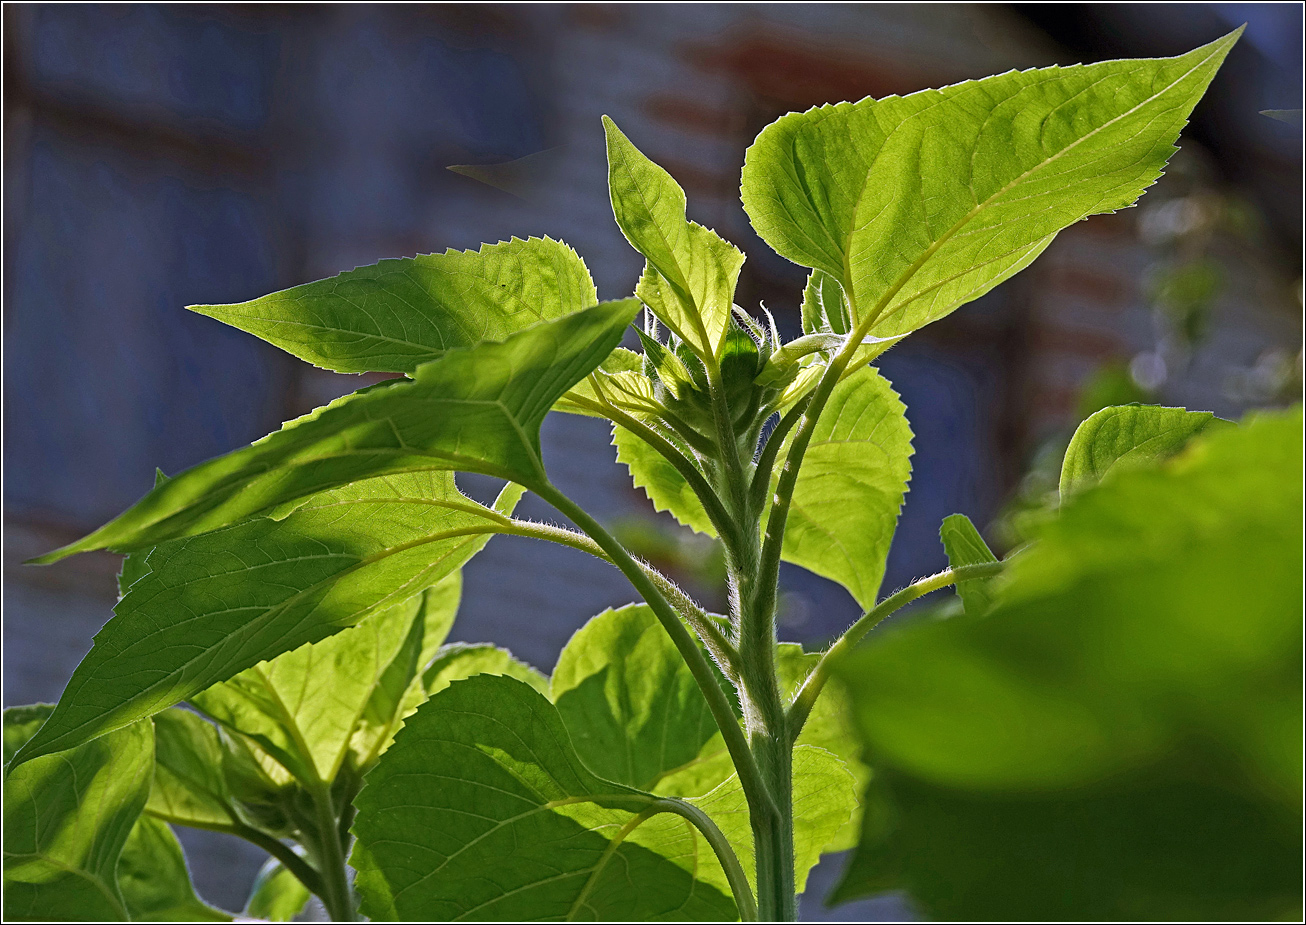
column 723, row 850
column 718, row 646
column 337, row 896
column 694, row 658
column 811, row 689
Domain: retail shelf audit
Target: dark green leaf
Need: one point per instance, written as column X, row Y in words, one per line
column 398, row 314
column 154, row 880
column 482, row 810
column 217, row 604
column 277, row 895
column 1120, row 736
column 1126, row 435
column 689, row 280
column 66, row 819
column 965, row 546
column 477, row 410
column 919, row 204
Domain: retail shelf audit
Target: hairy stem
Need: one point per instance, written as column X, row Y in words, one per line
column 718, row 645
column 711, row 504
column 766, row 461
column 805, row 699
column 697, row 663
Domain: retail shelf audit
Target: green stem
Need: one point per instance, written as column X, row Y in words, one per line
column 811, row 689
column 336, row 895
column 697, row 663
column 721, row 847
column 766, row 461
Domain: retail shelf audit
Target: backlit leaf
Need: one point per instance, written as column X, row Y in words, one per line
column 154, row 880
column 277, row 895
column 689, row 280
column 395, row 315
column 845, row 504
column 918, row 204
column 965, row 546
column 1126, row 435
column 66, row 819
column 631, row 705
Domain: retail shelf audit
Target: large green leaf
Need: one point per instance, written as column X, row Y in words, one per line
column 1126, row 435
column 921, row 203
column 689, row 280
column 66, row 819
column 633, row 708
column 398, row 314
column 482, row 810
column 845, row 504
column 154, row 880
column 477, row 409
column 1120, row 736
column 964, row 546
column 216, row 604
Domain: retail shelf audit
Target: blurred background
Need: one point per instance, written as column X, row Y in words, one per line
column 158, row 156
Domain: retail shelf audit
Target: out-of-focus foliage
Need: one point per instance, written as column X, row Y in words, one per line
column 1120, row 737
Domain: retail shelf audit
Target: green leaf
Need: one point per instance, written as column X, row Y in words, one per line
column 633, row 709
column 824, row 796
column 189, row 785
column 482, row 810
column 622, row 381
column 277, row 895
column 460, row 660
column 399, row 691
column 66, row 819
column 849, row 491
column 21, row 723
column 1126, row 435
column 217, row 604
column 918, row 204
column 825, row 308
column 663, row 485
column 1120, row 736
column 304, row 707
column 477, row 409
column 689, row 280
column 965, row 546
column 396, row 315
column 154, row 880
